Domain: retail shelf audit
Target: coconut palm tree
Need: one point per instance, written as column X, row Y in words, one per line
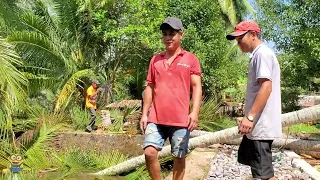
column 52, row 39
column 304, row 115
column 235, row 10
column 12, row 89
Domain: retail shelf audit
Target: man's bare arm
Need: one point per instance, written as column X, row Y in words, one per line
column 262, row 96
column 147, row 99
column 94, row 94
column 196, row 93
column 196, row 101
column 260, row 101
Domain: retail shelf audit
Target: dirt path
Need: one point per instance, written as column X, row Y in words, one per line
column 126, row 144
column 198, row 163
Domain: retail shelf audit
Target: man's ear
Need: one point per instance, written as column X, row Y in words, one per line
column 181, row 34
column 254, row 35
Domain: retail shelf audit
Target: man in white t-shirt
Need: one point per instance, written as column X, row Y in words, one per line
column 262, row 121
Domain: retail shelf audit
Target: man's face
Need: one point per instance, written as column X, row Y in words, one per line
column 245, row 41
column 94, row 85
column 171, row 38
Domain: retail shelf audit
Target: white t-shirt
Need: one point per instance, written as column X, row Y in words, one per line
column 264, row 64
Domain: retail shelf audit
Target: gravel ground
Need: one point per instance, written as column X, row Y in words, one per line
column 225, row 166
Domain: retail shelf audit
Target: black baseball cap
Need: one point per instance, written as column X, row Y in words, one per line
column 173, row 22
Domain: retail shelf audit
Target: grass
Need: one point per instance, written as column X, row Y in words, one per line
column 218, row 124
column 303, row 128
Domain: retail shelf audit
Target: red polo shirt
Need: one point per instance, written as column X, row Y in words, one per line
column 171, row 98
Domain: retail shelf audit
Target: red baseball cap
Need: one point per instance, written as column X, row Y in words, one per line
column 242, row 28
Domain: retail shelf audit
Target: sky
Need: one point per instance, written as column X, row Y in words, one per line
column 270, row 44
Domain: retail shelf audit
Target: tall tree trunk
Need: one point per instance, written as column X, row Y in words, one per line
column 303, row 115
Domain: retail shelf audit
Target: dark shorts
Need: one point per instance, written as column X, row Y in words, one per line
column 257, row 154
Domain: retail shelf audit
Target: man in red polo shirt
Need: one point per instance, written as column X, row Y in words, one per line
column 171, row 76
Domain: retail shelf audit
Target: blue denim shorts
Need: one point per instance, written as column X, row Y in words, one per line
column 156, row 135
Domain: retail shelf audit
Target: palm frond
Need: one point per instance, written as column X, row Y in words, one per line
column 36, row 47
column 140, row 174
column 10, row 16
column 36, row 156
column 26, row 139
column 117, row 125
column 209, row 112
column 30, row 76
column 79, row 160
column 249, row 8
column 40, row 82
column 4, row 161
column 69, row 88
column 23, row 125
column 236, row 10
column 231, row 51
column 75, row 160
column 79, row 117
column 6, row 133
column 12, row 88
column 228, row 8
column 36, row 23
column 66, row 14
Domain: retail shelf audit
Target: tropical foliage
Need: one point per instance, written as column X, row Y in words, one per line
column 296, row 39
column 51, row 49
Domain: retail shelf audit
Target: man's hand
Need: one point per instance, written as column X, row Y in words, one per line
column 143, row 123
column 192, row 121
column 245, row 126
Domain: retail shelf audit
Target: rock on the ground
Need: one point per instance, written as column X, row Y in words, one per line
column 225, row 166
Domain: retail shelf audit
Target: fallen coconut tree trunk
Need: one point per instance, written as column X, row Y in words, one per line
column 313, row 154
column 297, row 144
column 303, row 115
column 196, row 133
column 216, row 137
column 292, row 144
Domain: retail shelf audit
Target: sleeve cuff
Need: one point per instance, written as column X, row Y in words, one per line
column 264, row 77
column 196, row 73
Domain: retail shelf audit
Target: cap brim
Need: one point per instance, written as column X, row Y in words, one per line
column 233, row 35
column 166, row 25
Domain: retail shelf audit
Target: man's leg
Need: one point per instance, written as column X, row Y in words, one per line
column 93, row 116
column 261, row 163
column 179, row 138
column 179, row 167
column 153, row 165
column 245, row 151
column 154, row 141
column 257, row 154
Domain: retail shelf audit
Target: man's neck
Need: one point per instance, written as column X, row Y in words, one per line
column 174, row 52
column 254, row 45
